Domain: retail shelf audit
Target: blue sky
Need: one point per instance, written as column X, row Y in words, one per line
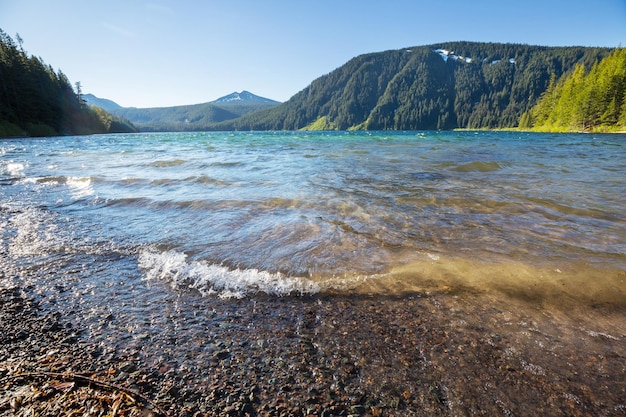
column 170, row 52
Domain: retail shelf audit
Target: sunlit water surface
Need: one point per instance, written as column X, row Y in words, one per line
column 127, row 223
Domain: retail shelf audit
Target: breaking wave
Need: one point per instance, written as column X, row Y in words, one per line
column 217, row 280
column 220, row 281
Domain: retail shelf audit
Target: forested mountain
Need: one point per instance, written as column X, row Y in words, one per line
column 584, row 100
column 195, row 117
column 442, row 86
column 37, row 101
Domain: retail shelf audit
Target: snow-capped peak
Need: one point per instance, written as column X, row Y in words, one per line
column 244, row 96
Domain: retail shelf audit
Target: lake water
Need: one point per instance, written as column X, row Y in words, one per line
column 235, row 214
column 418, row 260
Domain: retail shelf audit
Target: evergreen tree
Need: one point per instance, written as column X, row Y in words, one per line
column 584, row 100
column 36, row 101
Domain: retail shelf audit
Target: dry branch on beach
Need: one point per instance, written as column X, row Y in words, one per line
column 56, row 393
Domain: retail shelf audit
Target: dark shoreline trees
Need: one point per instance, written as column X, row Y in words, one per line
column 35, row 100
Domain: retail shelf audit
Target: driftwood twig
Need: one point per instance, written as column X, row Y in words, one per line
column 75, row 377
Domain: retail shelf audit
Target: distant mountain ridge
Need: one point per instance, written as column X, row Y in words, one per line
column 470, row 85
column 191, row 117
column 103, row 103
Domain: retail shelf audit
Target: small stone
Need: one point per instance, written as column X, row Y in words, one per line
column 221, row 355
column 230, row 410
column 16, row 403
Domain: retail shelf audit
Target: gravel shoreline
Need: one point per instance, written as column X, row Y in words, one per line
column 431, row 354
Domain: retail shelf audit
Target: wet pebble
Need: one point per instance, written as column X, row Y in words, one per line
column 323, row 357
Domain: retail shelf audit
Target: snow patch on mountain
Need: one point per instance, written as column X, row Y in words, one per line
column 445, row 55
column 244, row 96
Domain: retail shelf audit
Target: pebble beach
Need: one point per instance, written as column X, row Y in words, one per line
column 442, row 353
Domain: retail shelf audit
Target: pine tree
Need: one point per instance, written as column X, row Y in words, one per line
column 593, row 100
column 36, row 101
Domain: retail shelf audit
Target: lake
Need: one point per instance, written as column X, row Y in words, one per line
column 146, row 227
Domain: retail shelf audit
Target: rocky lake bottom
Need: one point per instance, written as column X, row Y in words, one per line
column 440, row 353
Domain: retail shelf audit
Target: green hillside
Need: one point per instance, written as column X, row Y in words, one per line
column 593, row 100
column 195, row 117
column 442, row 86
column 178, row 118
column 37, row 101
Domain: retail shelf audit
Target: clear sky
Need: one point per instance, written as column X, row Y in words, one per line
column 150, row 53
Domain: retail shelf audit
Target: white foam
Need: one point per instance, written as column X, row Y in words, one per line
column 209, row 279
column 35, row 233
column 80, row 187
column 432, row 257
column 14, row 169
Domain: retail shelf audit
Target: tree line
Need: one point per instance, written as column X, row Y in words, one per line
column 36, row 100
column 584, row 100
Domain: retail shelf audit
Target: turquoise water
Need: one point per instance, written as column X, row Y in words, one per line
column 235, row 214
